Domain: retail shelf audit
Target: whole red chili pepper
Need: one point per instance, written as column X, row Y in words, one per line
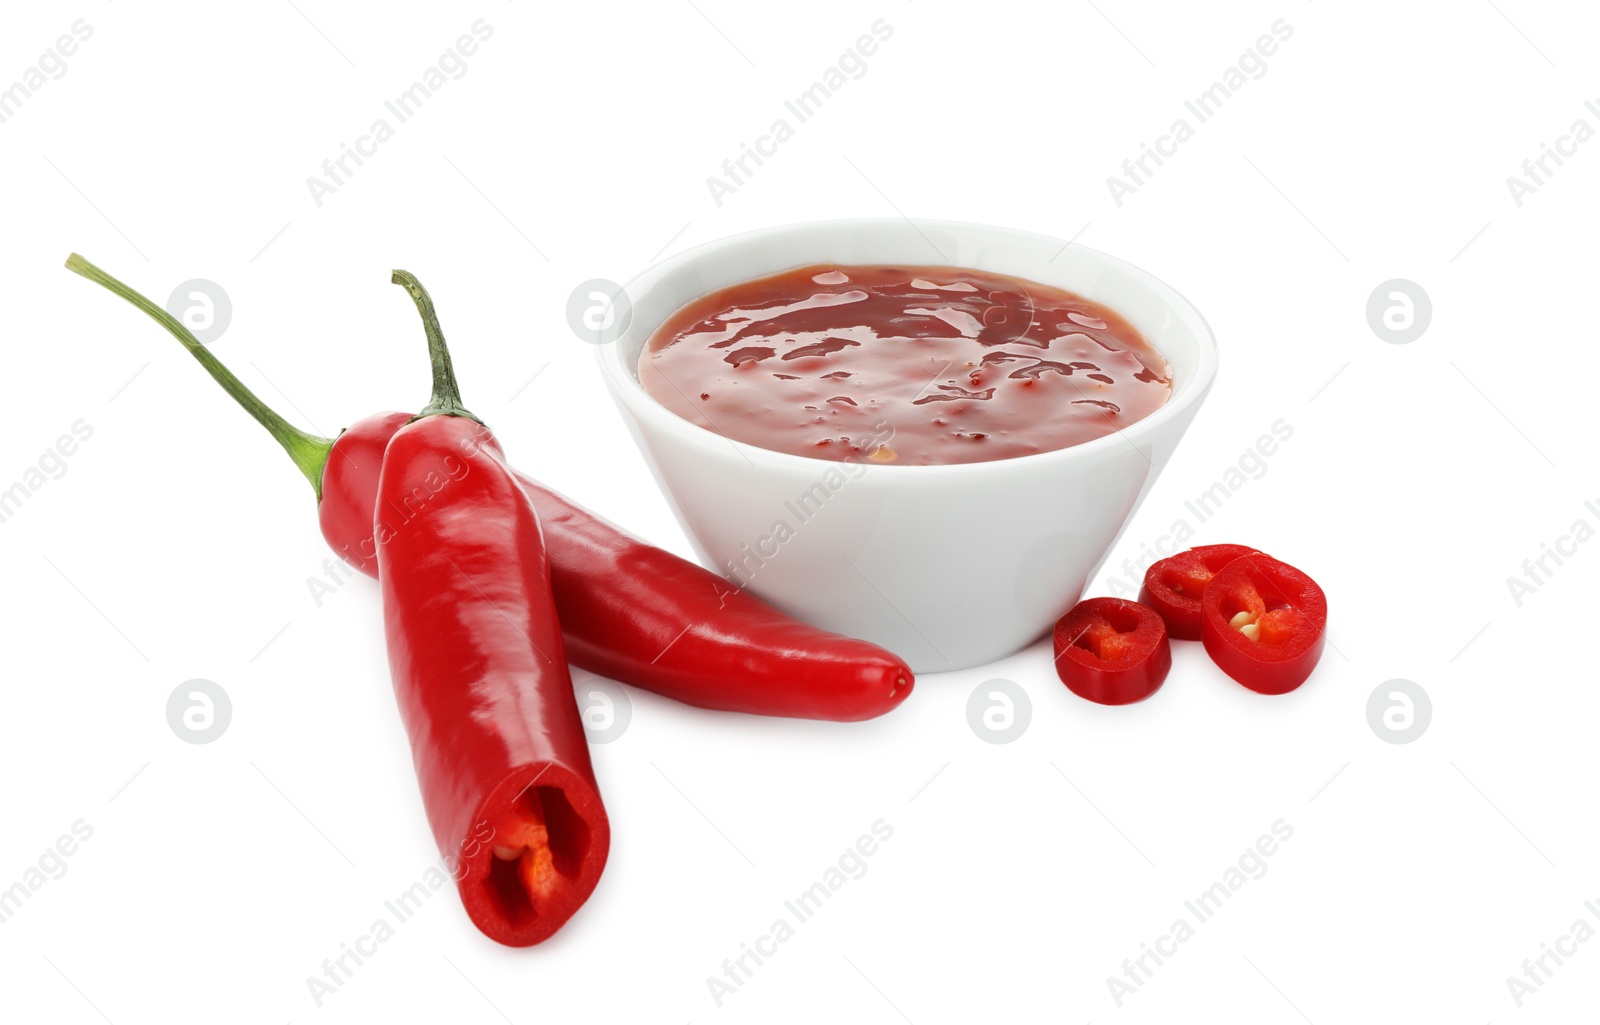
column 479, row 669
column 1112, row 651
column 629, row 610
column 1263, row 622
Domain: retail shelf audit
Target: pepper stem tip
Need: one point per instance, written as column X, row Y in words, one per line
column 309, row 452
column 446, row 398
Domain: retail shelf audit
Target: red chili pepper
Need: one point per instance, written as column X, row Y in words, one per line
column 479, row 669
column 636, row 613
column 1263, row 622
column 629, row 611
column 1173, row 586
column 1112, row 650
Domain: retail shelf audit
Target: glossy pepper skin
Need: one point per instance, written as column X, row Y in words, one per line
column 1264, row 623
column 629, row 610
column 639, row 614
column 1173, row 586
column 1112, row 651
column 481, row 676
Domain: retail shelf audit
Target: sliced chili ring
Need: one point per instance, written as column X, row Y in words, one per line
column 1174, row 585
column 1112, row 651
column 1264, row 623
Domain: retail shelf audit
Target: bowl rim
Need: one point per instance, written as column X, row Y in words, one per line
column 626, row 388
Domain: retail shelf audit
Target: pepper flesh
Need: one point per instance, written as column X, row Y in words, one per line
column 1173, row 586
column 481, row 677
column 1263, row 622
column 536, row 862
column 629, row 611
column 1112, row 651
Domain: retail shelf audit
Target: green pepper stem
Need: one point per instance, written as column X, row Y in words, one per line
column 446, row 400
column 309, row 452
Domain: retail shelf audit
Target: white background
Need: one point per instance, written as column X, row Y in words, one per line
column 179, row 541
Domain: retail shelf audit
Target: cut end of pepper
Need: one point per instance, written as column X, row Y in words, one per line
column 1112, row 651
column 1279, row 626
column 1243, row 605
column 526, row 841
column 1188, row 574
column 1264, row 623
column 1174, row 585
column 1104, row 640
column 545, row 859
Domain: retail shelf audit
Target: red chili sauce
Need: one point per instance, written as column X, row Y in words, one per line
column 903, row 365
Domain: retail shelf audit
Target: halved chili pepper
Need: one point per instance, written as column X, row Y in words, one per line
column 1112, row 650
column 1173, row 585
column 479, row 669
column 1263, row 622
column 629, row 611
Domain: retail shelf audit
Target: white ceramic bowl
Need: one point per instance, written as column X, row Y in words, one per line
column 948, row 566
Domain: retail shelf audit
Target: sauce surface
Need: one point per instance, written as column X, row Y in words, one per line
column 903, row 365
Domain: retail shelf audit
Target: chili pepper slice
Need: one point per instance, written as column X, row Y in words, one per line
column 1112, row 651
column 629, row 611
column 1263, row 623
column 1173, row 585
column 480, row 672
